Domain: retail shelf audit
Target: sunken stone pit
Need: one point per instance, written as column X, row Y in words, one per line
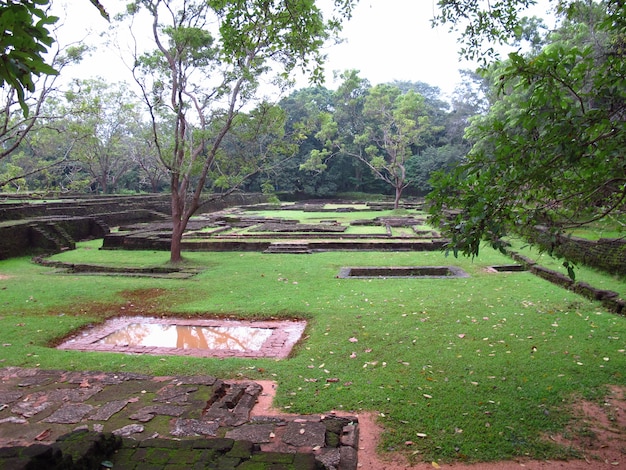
column 436, row 272
column 190, row 337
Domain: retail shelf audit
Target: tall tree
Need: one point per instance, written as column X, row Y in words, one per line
column 550, row 150
column 382, row 128
column 152, row 175
column 103, row 117
column 305, row 108
column 256, row 145
column 16, row 125
column 396, row 123
column 208, row 60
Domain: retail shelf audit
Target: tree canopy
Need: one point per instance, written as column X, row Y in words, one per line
column 550, row 151
column 382, row 127
column 207, row 61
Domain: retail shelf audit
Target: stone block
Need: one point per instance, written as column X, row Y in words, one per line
column 160, row 442
column 305, row 461
column 350, row 436
column 227, row 463
column 273, row 457
column 218, row 444
column 259, row 433
column 241, row 449
column 305, row 434
column 348, row 458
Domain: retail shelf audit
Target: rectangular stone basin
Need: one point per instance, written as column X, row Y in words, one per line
column 401, row 272
column 190, row 337
column 509, row 268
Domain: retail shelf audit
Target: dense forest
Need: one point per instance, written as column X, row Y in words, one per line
column 94, row 137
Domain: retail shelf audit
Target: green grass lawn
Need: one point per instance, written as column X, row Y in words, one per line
column 341, row 217
column 613, row 226
column 473, row 369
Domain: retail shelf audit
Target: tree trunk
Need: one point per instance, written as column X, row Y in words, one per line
column 176, row 243
column 396, row 202
column 178, row 227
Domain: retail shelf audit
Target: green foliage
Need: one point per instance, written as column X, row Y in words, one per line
column 24, row 40
column 551, row 147
column 485, row 24
column 419, row 168
column 11, row 177
column 380, row 127
column 102, row 124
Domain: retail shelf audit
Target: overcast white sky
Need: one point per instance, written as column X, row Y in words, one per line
column 385, row 39
column 393, row 40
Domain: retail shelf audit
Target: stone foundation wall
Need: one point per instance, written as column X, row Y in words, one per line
column 47, row 235
column 79, row 206
column 611, row 300
column 35, row 226
column 606, row 254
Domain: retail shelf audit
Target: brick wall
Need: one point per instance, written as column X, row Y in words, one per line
column 606, row 254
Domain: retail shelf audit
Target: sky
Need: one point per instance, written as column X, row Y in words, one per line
column 385, row 40
column 391, row 40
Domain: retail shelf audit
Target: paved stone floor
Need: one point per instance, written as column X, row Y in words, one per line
column 145, row 414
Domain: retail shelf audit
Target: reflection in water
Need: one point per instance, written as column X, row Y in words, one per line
column 238, row 338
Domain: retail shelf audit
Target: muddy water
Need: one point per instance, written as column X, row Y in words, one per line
column 237, row 338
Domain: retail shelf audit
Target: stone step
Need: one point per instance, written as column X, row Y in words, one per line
column 291, row 248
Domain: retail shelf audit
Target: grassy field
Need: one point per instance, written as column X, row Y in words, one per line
column 473, row 369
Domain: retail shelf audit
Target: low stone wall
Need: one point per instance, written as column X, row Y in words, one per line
column 606, row 254
column 609, row 299
column 77, row 450
column 101, row 206
column 83, row 206
column 47, row 235
column 32, row 227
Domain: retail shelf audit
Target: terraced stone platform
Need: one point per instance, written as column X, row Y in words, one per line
column 139, row 421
